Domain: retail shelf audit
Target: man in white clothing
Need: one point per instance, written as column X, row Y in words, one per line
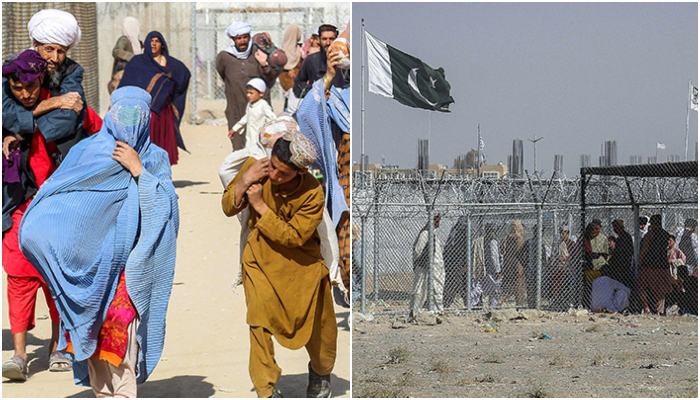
column 421, row 270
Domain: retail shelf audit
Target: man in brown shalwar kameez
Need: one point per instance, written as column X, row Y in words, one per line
column 286, row 284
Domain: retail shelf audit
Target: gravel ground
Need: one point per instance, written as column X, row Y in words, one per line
column 525, row 354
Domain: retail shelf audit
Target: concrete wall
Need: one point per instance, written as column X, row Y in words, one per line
column 173, row 20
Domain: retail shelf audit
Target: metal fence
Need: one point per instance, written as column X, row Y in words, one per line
column 208, row 39
column 498, row 243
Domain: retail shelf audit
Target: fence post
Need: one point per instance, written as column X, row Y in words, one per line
column 193, row 38
column 637, row 239
column 363, row 249
column 538, row 299
column 431, row 256
column 375, row 266
column 468, row 300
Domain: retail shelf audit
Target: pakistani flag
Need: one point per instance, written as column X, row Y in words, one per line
column 407, row 79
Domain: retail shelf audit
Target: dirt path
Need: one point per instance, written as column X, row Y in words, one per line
column 207, row 343
column 586, row 355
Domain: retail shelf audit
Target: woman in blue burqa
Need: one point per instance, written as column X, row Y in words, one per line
column 102, row 233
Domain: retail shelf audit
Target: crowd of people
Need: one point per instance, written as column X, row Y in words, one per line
column 599, row 272
column 90, row 213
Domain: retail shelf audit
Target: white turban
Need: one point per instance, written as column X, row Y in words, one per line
column 238, row 28
column 54, row 26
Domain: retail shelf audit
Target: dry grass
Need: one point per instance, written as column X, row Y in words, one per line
column 399, row 355
column 383, row 392
column 537, row 390
column 440, row 366
column 407, row 379
column 492, row 358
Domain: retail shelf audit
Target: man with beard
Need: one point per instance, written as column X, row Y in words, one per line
column 237, row 64
column 314, row 66
column 53, row 33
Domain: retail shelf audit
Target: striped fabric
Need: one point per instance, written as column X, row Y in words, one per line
column 314, row 117
column 343, row 230
column 81, row 231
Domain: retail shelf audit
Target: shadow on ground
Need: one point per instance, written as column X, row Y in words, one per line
column 184, row 183
column 38, row 357
column 344, row 324
column 177, row 386
column 295, row 385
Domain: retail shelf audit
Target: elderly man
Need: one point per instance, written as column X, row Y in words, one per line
column 314, row 66
column 237, row 65
column 53, row 33
column 21, row 180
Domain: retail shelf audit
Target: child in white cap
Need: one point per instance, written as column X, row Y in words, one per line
column 257, row 113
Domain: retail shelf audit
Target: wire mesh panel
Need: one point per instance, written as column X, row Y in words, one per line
column 16, row 16
column 510, row 243
column 209, row 38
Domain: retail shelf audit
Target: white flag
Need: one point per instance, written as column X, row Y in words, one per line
column 660, row 146
column 694, row 98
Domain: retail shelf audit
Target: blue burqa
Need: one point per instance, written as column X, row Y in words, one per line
column 91, row 219
column 314, row 117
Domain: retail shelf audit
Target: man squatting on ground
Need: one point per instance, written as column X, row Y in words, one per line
column 43, row 112
column 286, row 284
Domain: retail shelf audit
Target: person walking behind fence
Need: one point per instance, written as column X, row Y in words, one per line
column 688, row 244
column 654, row 273
column 286, row 283
column 166, row 79
column 491, row 282
column 421, row 270
column 561, row 270
column 102, row 233
column 455, row 257
column 513, row 270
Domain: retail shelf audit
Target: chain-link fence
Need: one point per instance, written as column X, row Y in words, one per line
column 505, row 243
column 209, row 38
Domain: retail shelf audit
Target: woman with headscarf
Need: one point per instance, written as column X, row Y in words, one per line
column 166, row 79
column 513, row 270
column 128, row 45
column 102, row 233
column 290, row 45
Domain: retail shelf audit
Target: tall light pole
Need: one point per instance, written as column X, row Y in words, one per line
column 534, row 141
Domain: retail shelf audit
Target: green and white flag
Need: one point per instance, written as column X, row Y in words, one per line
column 400, row 76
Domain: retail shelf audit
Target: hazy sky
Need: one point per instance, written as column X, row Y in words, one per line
column 575, row 73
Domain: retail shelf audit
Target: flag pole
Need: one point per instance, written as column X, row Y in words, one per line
column 362, row 110
column 687, row 118
column 478, row 150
